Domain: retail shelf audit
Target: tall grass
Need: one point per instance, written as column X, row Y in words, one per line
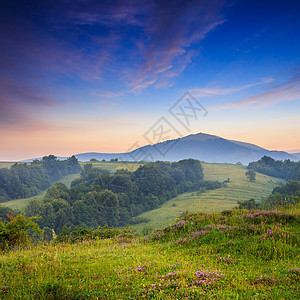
column 229, row 255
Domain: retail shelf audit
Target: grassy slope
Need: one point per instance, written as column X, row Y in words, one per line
column 5, row 164
column 247, row 262
column 113, row 166
column 239, row 188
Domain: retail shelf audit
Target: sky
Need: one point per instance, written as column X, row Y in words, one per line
column 109, row 76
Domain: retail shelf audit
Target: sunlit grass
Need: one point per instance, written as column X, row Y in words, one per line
column 220, row 264
column 239, row 188
column 113, row 166
column 6, row 164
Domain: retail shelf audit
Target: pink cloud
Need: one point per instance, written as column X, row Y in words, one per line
column 216, row 91
column 21, row 106
column 159, row 49
column 286, row 91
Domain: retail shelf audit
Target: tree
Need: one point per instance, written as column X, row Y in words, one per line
column 251, row 175
column 94, row 160
column 248, row 204
column 16, row 231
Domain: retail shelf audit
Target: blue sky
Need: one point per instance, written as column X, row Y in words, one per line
column 81, row 76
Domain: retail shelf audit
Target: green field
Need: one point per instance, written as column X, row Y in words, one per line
column 113, row 166
column 239, row 188
column 6, row 164
column 232, row 255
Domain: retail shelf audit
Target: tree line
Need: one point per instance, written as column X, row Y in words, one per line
column 98, row 197
column 24, row 180
column 287, row 194
column 287, row 169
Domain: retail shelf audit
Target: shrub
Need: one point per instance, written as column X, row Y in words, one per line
column 80, row 234
column 17, row 231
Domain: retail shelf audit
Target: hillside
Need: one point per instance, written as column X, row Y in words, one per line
column 201, row 146
column 239, row 188
column 297, row 155
column 110, row 166
column 229, row 255
column 22, row 203
column 6, row 164
column 210, row 148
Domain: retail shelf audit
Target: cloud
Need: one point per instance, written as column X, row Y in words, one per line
column 20, row 106
column 215, row 91
column 172, row 30
column 13, row 92
column 51, row 45
column 105, row 94
column 285, row 91
column 109, row 13
column 140, row 43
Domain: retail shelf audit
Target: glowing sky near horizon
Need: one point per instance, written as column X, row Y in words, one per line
column 94, row 76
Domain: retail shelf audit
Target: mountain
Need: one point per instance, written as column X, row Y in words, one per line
column 211, row 148
column 205, row 147
column 297, row 155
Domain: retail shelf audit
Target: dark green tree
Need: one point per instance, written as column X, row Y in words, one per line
column 251, row 175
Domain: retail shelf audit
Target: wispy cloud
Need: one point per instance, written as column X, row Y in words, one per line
column 20, row 106
column 109, row 13
column 285, row 91
column 105, row 94
column 216, row 91
column 140, row 43
column 171, row 30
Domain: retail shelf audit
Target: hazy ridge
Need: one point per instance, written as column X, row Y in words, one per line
column 201, row 146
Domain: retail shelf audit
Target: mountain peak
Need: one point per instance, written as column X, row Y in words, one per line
column 201, row 146
column 199, row 137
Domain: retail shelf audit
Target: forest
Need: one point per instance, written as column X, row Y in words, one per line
column 286, row 169
column 23, row 180
column 98, row 197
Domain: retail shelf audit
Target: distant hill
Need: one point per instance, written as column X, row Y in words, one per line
column 297, row 155
column 205, row 147
column 210, row 148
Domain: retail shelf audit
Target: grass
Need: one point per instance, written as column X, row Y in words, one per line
column 233, row 255
column 239, row 188
column 113, row 166
column 6, row 164
column 20, row 204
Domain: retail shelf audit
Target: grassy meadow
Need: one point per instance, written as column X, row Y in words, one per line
column 6, row 164
column 113, row 166
column 229, row 255
column 239, row 188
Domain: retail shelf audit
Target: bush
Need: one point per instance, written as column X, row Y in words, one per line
column 248, row 204
column 138, row 220
column 16, row 231
column 147, row 230
column 80, row 234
